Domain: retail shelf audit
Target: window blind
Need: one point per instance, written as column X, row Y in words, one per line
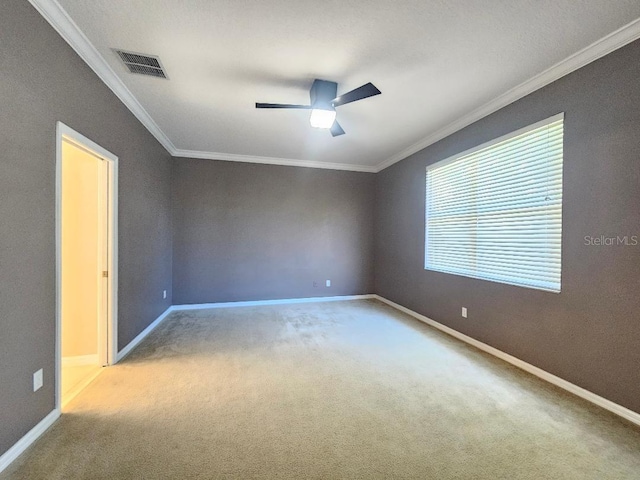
column 495, row 211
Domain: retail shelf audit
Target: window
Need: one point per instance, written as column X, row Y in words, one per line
column 495, row 212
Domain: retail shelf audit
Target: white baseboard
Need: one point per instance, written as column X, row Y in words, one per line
column 79, row 360
column 79, row 387
column 26, row 441
column 134, row 343
column 22, row 444
column 284, row 301
column 602, row 402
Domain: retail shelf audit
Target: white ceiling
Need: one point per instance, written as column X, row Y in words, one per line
column 440, row 64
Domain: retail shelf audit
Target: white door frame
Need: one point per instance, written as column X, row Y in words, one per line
column 66, row 133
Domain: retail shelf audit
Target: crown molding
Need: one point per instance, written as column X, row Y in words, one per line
column 596, row 50
column 53, row 13
column 289, row 162
column 60, row 20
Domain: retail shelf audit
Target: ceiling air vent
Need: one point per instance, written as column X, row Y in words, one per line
column 142, row 64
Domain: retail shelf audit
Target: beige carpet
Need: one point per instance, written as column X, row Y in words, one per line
column 325, row 390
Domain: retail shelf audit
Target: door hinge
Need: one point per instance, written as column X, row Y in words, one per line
column 105, row 273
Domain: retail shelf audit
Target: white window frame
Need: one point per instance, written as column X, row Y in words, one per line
column 459, row 156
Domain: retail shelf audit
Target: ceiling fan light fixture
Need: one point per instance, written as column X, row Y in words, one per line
column 323, row 103
column 322, row 118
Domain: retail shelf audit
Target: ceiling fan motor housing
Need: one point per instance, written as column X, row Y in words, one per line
column 322, row 93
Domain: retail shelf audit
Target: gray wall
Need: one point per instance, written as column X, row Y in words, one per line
column 42, row 81
column 251, row 232
column 248, row 232
column 590, row 333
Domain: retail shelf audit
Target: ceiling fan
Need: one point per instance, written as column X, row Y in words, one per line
column 324, row 100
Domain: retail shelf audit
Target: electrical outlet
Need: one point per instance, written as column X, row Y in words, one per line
column 164, row 294
column 37, row 380
column 328, row 283
column 464, row 312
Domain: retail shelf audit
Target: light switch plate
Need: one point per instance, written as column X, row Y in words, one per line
column 37, row 380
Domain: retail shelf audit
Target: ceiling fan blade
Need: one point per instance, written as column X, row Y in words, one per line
column 282, row 105
column 365, row 91
column 336, row 129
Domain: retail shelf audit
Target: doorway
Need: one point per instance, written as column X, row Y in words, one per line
column 86, row 262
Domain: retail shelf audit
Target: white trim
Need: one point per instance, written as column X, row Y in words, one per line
column 25, row 442
column 619, row 410
column 596, row 50
column 60, row 20
column 112, row 332
column 22, row 444
column 53, row 13
column 79, row 387
column 495, row 141
column 79, row 360
column 284, row 301
column 289, row 162
column 141, row 336
column 66, row 133
column 480, row 153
